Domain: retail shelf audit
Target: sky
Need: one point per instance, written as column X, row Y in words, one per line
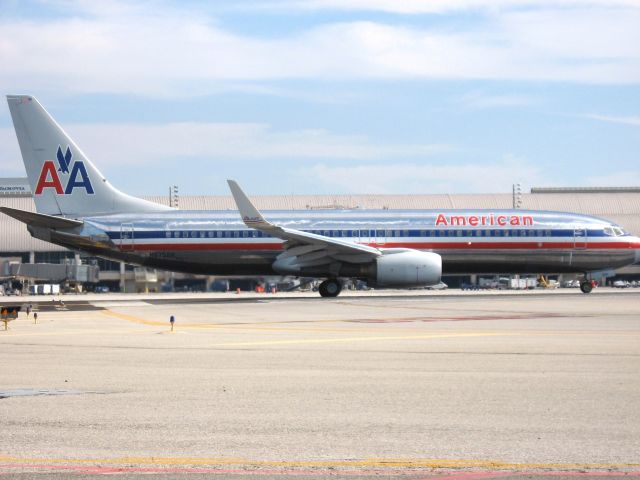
column 332, row 96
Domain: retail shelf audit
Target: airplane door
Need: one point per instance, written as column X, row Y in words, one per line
column 126, row 236
column 363, row 235
column 379, row 238
column 372, row 236
column 579, row 238
column 368, row 236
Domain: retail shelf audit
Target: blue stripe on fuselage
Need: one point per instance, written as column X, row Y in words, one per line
column 360, row 233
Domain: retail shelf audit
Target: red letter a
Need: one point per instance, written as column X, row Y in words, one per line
column 441, row 220
column 48, row 169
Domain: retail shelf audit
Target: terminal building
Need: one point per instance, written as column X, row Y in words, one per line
column 18, row 249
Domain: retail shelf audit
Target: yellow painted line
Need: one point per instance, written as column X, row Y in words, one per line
column 369, row 462
column 67, row 332
column 351, row 326
column 132, row 318
column 245, row 326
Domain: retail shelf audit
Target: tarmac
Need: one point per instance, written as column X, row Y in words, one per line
column 456, row 385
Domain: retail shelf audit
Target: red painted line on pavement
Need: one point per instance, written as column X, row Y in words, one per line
column 187, row 470
column 524, row 473
column 459, row 318
column 468, row 476
column 105, row 470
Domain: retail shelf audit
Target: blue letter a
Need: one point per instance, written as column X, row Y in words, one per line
column 78, row 167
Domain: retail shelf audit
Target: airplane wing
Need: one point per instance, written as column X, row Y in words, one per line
column 317, row 243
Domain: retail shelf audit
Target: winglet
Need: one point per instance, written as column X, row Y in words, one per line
column 250, row 215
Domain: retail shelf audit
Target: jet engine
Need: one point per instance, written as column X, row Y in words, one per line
column 407, row 268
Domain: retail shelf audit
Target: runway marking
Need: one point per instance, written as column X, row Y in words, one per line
column 134, row 319
column 303, row 341
column 68, row 332
column 329, row 471
column 495, row 466
column 525, row 316
column 419, row 334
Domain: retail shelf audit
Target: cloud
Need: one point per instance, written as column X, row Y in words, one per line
column 633, row 120
column 111, row 47
column 484, row 101
column 629, row 178
column 425, row 177
column 135, row 144
column 421, row 6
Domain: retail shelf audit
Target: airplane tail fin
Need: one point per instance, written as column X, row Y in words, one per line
column 63, row 180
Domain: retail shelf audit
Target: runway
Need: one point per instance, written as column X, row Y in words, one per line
column 362, row 386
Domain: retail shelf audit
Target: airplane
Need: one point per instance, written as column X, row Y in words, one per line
column 77, row 208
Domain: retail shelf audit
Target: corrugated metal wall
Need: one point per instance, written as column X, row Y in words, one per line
column 622, row 208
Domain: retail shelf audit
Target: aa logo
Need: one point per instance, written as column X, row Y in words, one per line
column 77, row 177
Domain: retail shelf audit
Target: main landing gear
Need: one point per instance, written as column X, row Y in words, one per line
column 586, row 286
column 330, row 288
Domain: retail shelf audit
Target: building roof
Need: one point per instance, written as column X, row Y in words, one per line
column 585, row 189
column 621, row 207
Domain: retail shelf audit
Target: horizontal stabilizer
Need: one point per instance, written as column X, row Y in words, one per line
column 40, row 219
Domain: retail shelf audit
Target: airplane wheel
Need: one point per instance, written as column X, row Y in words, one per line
column 586, row 287
column 330, row 288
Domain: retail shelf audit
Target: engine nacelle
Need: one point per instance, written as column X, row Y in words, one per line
column 408, row 268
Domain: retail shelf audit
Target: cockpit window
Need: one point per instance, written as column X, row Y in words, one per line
column 614, row 231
